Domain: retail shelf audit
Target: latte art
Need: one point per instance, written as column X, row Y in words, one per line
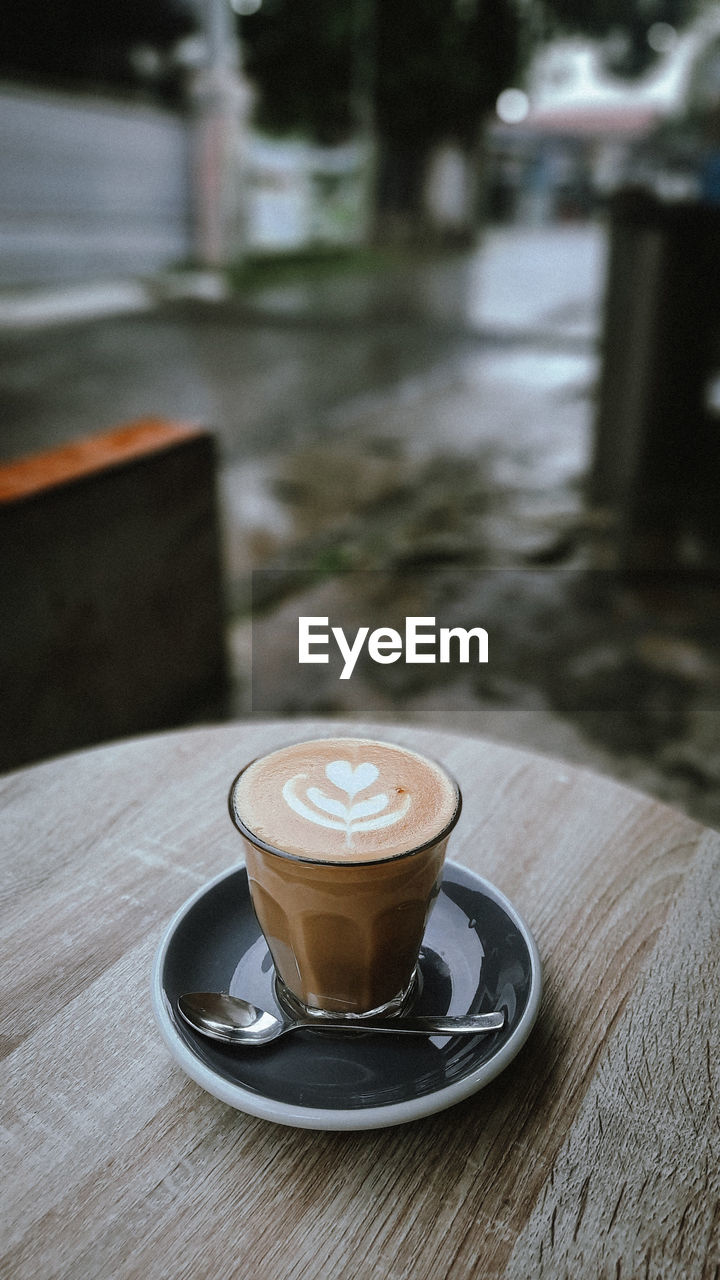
column 366, row 815
column 336, row 798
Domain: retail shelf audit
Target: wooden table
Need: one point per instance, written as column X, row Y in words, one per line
column 595, row 1154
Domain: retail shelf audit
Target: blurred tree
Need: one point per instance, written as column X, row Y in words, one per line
column 84, row 44
column 300, row 56
column 440, row 67
column 421, row 72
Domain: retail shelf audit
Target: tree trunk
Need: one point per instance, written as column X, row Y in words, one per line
column 427, row 196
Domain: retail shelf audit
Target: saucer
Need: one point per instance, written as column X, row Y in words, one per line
column 477, row 955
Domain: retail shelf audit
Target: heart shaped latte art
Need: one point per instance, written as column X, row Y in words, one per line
column 349, row 780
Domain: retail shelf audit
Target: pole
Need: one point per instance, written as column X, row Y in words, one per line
column 220, row 101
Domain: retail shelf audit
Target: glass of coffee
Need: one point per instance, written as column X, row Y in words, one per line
column 345, row 840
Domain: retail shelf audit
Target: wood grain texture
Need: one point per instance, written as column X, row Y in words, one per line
column 595, row 1154
column 636, row 1188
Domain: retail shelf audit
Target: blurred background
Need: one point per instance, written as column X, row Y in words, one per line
column 438, row 281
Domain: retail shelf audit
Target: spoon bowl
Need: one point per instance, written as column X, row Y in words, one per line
column 229, row 1019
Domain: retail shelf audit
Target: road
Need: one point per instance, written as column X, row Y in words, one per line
column 521, row 311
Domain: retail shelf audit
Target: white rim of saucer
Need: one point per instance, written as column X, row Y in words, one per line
column 380, row 1117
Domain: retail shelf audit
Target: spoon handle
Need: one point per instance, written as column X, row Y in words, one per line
column 472, row 1024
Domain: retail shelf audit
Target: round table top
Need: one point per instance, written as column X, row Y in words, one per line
column 595, row 1153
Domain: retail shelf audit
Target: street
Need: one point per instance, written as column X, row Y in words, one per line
column 410, row 442
column 522, row 309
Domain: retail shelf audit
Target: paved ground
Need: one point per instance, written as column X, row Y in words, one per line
column 415, row 442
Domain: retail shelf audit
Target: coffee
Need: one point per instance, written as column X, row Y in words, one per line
column 345, row 841
column 344, row 800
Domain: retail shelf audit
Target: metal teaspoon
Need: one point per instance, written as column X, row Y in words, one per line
column 234, row 1021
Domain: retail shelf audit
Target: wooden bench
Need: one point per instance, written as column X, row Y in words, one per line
column 112, row 619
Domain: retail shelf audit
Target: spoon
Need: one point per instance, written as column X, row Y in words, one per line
column 235, row 1021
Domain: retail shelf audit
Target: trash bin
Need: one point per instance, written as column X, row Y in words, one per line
column 656, row 463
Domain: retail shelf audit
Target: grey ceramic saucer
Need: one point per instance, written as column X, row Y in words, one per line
column 478, row 954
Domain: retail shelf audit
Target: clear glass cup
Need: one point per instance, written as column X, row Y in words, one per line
column 345, row 934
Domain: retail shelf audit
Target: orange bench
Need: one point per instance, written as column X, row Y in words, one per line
column 112, row 610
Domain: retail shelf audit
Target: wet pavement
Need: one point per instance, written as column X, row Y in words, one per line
column 274, row 368
column 415, row 441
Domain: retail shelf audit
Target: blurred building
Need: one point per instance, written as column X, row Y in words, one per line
column 561, row 145
column 142, row 157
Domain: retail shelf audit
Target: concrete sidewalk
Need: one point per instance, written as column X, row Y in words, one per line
column 520, row 278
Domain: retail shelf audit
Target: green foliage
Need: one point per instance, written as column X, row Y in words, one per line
column 441, row 65
column 300, row 55
column 425, row 68
column 307, row 266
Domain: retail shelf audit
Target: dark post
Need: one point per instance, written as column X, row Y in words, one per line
column 656, row 462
